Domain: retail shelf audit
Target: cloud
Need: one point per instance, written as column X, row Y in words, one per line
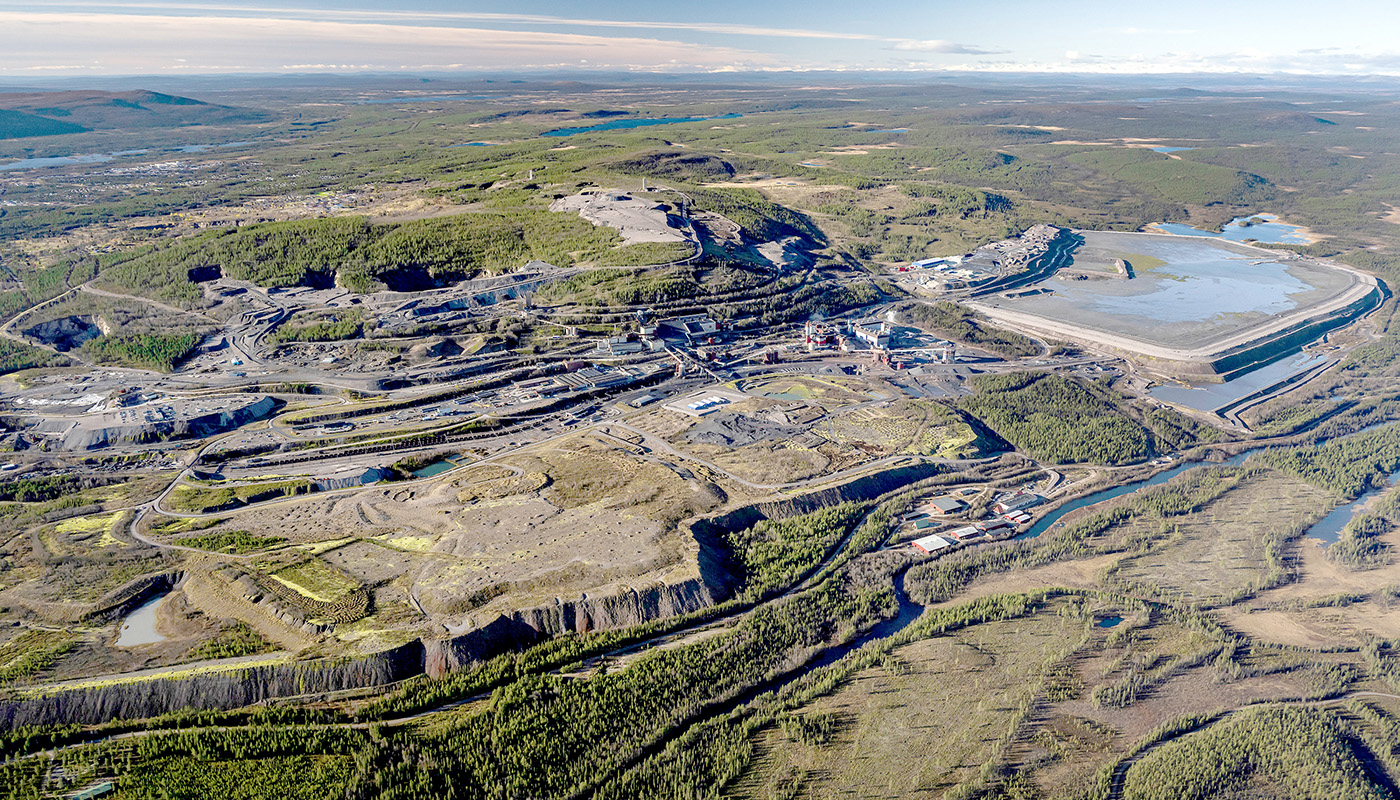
column 128, row 43
column 941, row 46
column 401, row 17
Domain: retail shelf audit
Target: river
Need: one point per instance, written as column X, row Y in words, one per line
column 1048, row 521
column 1329, row 528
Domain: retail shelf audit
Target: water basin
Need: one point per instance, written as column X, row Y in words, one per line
column 1165, row 149
column 1270, row 231
column 1109, row 622
column 437, row 468
column 139, row 627
column 1218, row 395
column 620, row 124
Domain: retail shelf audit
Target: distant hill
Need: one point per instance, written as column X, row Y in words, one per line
column 17, row 124
column 49, row 113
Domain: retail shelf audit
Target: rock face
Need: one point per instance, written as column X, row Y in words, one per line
column 225, row 690
column 435, row 657
column 67, row 333
column 91, row 437
column 523, row 628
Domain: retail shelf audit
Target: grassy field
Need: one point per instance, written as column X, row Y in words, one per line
column 919, row 724
column 1221, row 552
column 201, row 499
column 916, row 427
column 317, row 580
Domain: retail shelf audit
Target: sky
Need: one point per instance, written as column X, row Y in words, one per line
column 155, row 37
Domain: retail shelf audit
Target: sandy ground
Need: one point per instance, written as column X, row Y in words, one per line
column 1392, row 216
column 1072, row 574
column 1280, row 615
column 636, row 218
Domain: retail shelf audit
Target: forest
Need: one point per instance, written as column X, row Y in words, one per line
column 1056, row 419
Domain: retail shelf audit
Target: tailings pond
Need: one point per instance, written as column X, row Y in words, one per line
column 1218, row 395
column 1187, row 292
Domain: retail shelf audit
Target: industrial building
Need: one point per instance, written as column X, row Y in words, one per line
column 1016, row 501
column 875, row 333
column 931, row 544
column 946, row 505
column 693, row 325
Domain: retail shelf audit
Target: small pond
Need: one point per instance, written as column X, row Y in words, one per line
column 139, row 627
column 1209, row 397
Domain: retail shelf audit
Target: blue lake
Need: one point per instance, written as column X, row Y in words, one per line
column 1217, row 395
column 621, row 124
column 1271, row 231
column 1170, row 149
column 428, row 99
column 60, row 161
column 101, row 158
column 1109, row 622
column 890, row 130
column 200, row 148
column 471, row 144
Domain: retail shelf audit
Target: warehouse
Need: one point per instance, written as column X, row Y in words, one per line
column 931, row 544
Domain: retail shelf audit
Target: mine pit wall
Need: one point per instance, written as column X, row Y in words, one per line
column 194, row 428
column 227, row 690
column 112, row 606
column 521, row 629
column 433, row 657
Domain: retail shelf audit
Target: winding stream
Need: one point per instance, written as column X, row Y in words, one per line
column 1049, row 520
